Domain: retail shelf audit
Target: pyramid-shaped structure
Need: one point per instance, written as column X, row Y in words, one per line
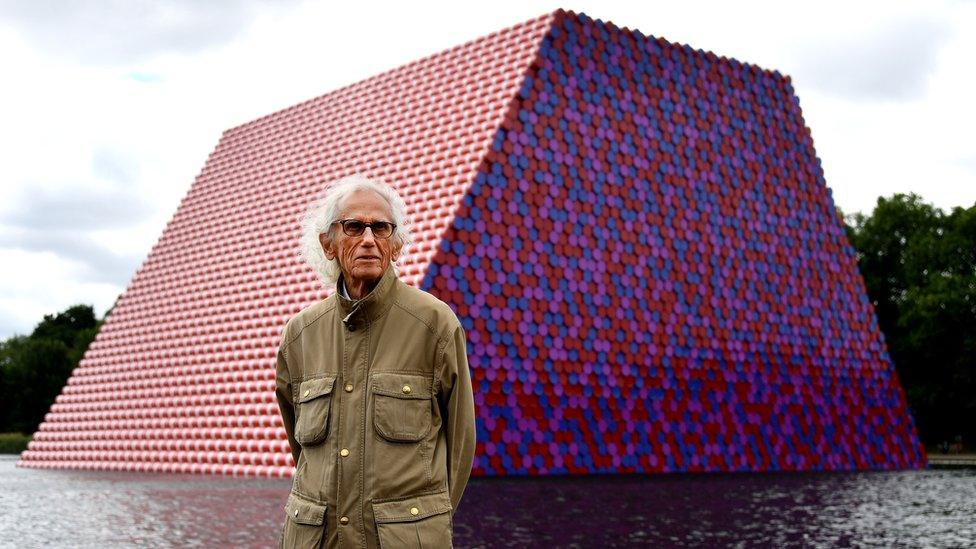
column 636, row 235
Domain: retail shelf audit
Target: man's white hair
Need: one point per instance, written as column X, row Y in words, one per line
column 322, row 213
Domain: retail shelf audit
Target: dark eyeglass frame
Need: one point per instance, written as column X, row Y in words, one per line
column 356, row 227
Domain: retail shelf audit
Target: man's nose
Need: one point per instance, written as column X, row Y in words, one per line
column 368, row 236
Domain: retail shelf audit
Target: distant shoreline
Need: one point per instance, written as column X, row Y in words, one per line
column 952, row 461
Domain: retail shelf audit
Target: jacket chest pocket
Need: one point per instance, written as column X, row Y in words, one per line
column 401, row 407
column 314, row 403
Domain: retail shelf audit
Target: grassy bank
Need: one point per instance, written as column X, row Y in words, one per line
column 13, row 443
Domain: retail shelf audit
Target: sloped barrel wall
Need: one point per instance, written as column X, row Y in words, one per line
column 181, row 377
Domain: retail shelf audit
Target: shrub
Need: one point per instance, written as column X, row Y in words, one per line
column 13, row 443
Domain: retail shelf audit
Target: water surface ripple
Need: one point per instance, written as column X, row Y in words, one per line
column 935, row 508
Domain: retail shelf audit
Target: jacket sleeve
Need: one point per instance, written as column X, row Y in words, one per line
column 286, row 403
column 457, row 413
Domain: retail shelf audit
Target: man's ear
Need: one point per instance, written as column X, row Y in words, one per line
column 326, row 241
column 395, row 252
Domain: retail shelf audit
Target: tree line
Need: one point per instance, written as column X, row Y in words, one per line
column 918, row 263
column 34, row 368
column 919, row 266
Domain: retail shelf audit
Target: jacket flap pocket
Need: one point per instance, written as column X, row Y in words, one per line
column 411, row 509
column 401, row 385
column 304, row 512
column 314, row 388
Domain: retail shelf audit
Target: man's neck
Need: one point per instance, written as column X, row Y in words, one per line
column 350, row 292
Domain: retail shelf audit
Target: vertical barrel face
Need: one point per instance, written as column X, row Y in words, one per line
column 653, row 277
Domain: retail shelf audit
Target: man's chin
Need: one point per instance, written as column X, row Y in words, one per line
column 367, row 275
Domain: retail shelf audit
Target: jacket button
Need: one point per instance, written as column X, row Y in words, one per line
column 343, row 520
column 406, row 389
column 296, row 512
column 414, row 511
column 344, row 452
column 348, row 387
column 307, row 391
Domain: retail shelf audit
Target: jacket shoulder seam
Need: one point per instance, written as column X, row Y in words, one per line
column 407, row 310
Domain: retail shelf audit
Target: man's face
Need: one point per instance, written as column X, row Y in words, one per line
column 363, row 258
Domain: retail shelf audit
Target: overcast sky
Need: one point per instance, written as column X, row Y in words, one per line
column 109, row 109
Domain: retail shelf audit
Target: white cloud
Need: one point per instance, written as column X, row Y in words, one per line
column 36, row 284
column 77, row 209
column 113, row 32
column 893, row 61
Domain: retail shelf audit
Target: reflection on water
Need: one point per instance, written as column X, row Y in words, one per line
column 884, row 509
column 43, row 508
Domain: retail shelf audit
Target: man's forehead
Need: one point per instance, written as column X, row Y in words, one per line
column 366, row 205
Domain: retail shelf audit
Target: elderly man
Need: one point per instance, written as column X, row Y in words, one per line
column 373, row 387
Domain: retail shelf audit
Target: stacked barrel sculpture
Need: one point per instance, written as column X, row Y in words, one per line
column 636, row 235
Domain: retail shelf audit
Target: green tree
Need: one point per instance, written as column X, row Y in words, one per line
column 67, row 325
column 919, row 266
column 34, row 368
column 34, row 373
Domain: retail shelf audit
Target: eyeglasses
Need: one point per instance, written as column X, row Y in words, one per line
column 355, row 227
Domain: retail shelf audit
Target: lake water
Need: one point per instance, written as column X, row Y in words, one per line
column 934, row 508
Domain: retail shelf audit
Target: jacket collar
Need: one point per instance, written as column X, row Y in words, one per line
column 375, row 304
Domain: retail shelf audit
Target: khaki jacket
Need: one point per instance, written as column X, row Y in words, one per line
column 376, row 399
